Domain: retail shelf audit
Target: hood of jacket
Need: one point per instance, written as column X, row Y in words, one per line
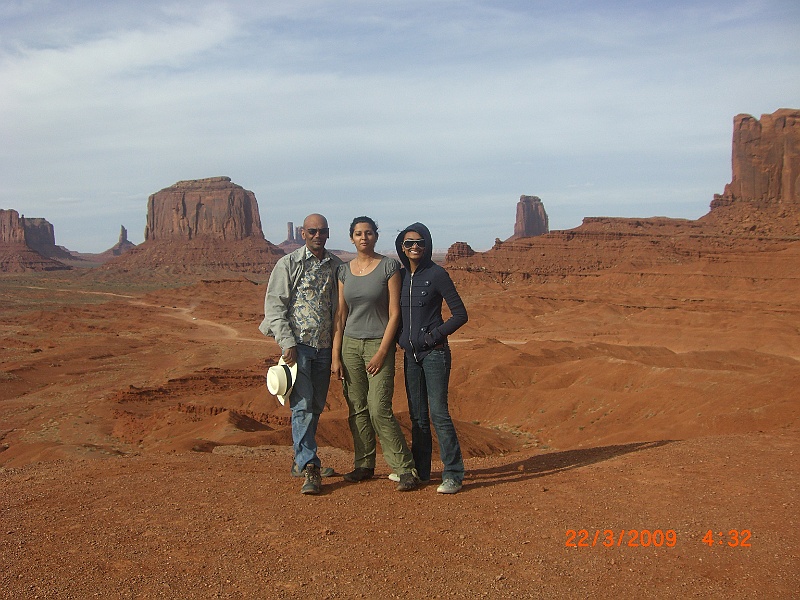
column 426, row 235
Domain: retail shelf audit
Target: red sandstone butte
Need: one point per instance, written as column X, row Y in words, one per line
column 458, row 250
column 531, row 218
column 765, row 160
column 199, row 227
column 213, row 207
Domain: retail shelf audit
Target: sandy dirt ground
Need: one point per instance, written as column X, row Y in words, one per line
column 626, row 434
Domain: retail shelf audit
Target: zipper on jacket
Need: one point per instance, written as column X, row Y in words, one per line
column 410, row 306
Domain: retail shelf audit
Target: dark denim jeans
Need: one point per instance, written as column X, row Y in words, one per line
column 307, row 400
column 426, row 388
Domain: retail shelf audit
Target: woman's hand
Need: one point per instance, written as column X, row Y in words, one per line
column 376, row 362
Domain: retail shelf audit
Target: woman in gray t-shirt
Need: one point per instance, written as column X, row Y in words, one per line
column 363, row 355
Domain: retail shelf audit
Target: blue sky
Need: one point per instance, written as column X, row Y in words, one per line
column 443, row 112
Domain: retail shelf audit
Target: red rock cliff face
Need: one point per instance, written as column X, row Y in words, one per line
column 213, row 207
column 531, row 218
column 12, row 230
column 766, row 160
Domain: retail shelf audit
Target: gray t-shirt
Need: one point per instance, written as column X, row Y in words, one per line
column 367, row 298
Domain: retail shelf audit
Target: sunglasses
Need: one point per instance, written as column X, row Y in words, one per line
column 408, row 244
column 312, row 231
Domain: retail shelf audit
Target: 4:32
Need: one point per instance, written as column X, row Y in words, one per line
column 735, row 538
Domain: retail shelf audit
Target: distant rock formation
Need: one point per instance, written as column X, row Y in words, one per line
column 199, row 227
column 123, row 245
column 17, row 254
column 458, row 250
column 763, row 197
column 293, row 238
column 758, row 211
column 531, row 218
column 213, row 207
column 765, row 160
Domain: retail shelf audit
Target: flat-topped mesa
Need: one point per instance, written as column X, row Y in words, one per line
column 765, row 161
column 202, row 227
column 213, row 207
column 531, row 218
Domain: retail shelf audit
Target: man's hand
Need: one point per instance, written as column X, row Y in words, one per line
column 290, row 355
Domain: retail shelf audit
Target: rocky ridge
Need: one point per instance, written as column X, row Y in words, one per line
column 759, row 210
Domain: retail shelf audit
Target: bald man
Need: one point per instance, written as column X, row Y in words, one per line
column 299, row 308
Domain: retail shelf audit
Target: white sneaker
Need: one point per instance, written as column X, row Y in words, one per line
column 449, row 486
column 394, row 477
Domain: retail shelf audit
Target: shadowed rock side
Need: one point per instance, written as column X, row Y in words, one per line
column 40, row 236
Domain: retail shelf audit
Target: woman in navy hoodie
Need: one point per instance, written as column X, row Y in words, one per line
column 423, row 336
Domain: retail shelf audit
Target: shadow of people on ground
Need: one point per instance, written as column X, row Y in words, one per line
column 554, row 462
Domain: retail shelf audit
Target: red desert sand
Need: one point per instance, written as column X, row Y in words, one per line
column 628, row 432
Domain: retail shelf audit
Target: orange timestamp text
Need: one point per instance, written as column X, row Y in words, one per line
column 611, row 538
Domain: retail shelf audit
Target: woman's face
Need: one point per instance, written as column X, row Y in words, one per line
column 413, row 245
column 364, row 237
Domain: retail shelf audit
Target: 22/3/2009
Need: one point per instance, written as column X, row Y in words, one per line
column 608, row 538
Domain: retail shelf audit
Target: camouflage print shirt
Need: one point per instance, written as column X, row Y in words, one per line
column 301, row 300
column 310, row 313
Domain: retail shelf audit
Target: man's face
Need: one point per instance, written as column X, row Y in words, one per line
column 315, row 233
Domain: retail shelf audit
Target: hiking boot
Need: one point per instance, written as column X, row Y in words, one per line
column 449, row 486
column 408, row 482
column 313, row 483
column 359, row 474
column 323, row 471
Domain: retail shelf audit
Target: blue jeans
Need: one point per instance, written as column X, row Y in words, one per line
column 307, row 400
column 426, row 388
